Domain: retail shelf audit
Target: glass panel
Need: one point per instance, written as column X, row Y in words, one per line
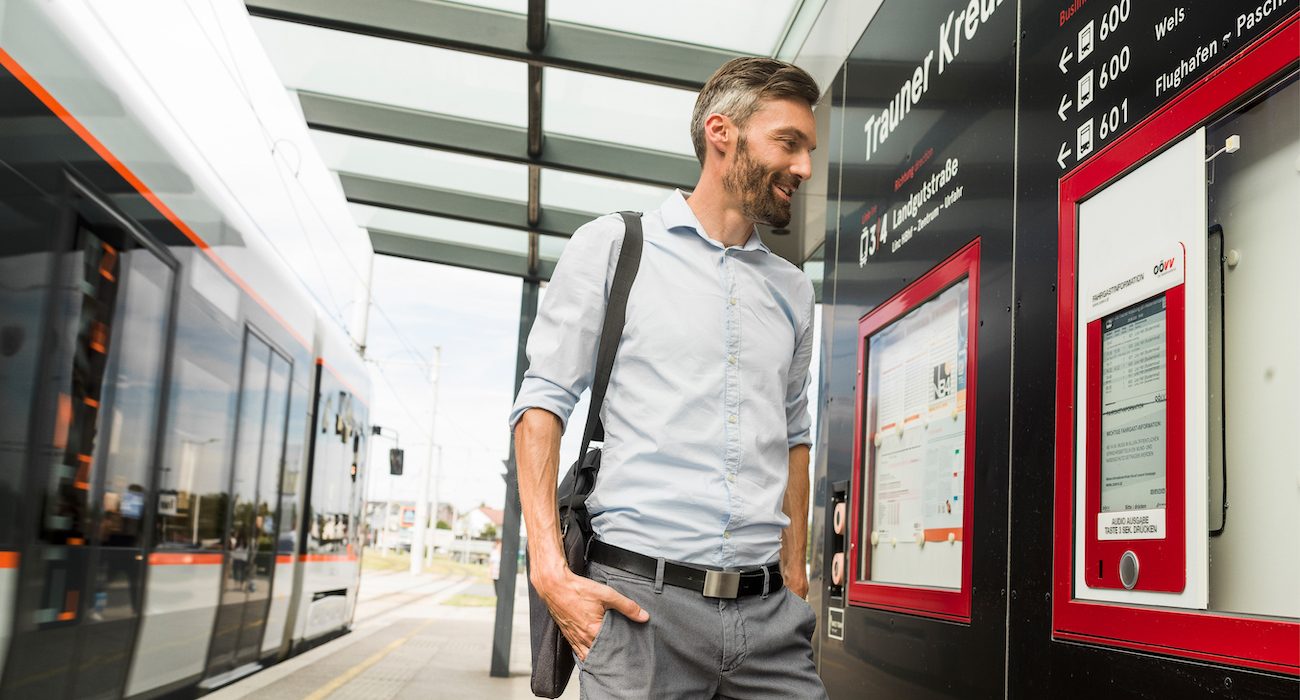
column 292, row 471
column 248, row 449
column 396, row 72
column 192, row 497
column 27, row 242
column 423, row 166
column 519, row 7
column 1252, row 197
column 333, row 487
column 915, row 442
column 135, row 399
column 93, row 271
column 272, row 455
column 729, row 24
column 550, row 247
column 598, row 195
column 439, row 229
column 264, row 533
column 239, row 575
column 618, row 111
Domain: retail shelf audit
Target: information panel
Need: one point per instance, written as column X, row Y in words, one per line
column 916, row 403
column 1133, row 408
column 1134, row 412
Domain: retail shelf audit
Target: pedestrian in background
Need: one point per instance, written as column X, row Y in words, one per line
column 494, row 566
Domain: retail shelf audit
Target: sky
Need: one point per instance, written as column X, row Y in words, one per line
column 474, row 317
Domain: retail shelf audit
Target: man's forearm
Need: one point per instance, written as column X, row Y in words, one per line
column 794, row 539
column 537, row 456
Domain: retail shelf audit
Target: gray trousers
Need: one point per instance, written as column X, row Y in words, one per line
column 697, row 647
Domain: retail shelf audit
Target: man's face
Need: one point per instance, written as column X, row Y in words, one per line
column 773, row 156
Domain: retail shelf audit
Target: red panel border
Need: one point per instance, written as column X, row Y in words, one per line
column 1262, row 643
column 1164, row 560
column 946, row 604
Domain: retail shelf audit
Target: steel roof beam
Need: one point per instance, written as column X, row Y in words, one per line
column 457, row 255
column 449, row 204
column 505, row 143
column 505, row 35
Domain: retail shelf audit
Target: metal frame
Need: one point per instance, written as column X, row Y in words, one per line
column 529, row 38
column 509, row 36
column 419, row 199
column 406, row 246
column 510, row 144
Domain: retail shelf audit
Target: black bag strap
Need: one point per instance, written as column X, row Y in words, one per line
column 611, row 331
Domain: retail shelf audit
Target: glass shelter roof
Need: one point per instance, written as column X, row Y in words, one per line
column 481, row 133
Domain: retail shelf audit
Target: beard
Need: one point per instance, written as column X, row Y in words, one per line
column 754, row 184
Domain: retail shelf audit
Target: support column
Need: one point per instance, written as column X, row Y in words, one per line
column 503, row 628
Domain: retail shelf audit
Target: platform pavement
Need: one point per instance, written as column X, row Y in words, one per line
column 406, row 643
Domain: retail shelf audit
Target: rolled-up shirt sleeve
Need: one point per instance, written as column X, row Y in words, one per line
column 798, row 421
column 563, row 342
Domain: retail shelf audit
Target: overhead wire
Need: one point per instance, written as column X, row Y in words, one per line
column 237, row 78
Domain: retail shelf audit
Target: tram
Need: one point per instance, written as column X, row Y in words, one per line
column 182, row 454
column 1056, row 445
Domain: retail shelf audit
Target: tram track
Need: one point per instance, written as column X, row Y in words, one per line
column 412, row 594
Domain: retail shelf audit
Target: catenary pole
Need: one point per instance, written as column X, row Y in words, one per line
column 422, row 501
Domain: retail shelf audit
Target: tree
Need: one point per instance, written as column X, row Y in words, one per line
column 443, row 525
column 489, row 532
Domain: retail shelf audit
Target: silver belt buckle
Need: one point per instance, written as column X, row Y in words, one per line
column 721, row 584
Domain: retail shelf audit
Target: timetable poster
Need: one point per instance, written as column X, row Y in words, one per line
column 916, row 407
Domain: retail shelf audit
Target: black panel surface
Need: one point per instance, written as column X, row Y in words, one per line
column 1007, row 109
column 926, row 164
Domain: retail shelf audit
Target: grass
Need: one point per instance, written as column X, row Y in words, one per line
column 378, row 560
column 466, row 600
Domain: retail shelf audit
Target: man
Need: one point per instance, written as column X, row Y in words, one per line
column 705, row 461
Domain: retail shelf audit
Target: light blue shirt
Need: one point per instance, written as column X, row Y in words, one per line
column 708, row 393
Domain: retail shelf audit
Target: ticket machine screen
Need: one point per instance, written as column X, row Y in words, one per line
column 1133, row 407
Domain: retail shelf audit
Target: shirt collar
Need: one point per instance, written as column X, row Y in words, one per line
column 677, row 214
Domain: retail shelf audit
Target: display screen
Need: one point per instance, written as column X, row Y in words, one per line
column 916, row 439
column 1134, row 409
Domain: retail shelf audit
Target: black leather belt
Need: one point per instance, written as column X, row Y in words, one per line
column 712, row 583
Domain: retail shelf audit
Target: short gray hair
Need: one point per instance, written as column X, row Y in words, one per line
column 740, row 86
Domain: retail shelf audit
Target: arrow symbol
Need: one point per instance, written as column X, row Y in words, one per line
column 1065, row 105
column 1061, row 155
column 1065, row 58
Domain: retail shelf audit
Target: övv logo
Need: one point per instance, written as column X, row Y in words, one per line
column 1163, row 267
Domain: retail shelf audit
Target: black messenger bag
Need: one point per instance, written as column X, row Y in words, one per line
column 552, row 655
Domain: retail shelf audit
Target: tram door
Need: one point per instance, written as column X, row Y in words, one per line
column 252, row 514
column 82, row 571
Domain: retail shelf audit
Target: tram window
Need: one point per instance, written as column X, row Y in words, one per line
column 292, row 471
column 26, row 247
column 192, row 498
column 92, row 277
column 139, row 350
column 273, row 450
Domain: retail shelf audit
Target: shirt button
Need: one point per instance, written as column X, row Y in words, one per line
column 726, row 535
column 731, row 359
column 731, row 478
column 733, row 301
column 731, row 419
